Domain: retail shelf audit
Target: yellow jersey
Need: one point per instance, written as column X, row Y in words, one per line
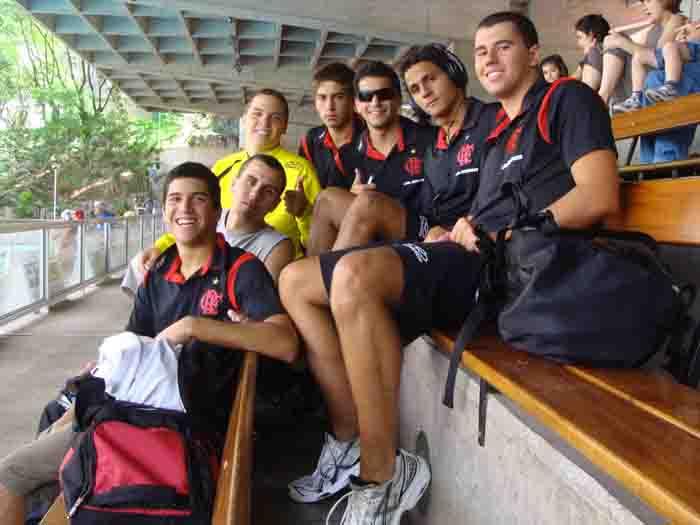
column 296, row 228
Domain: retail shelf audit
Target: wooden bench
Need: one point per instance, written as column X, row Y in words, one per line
column 233, row 492
column 683, row 111
column 641, row 427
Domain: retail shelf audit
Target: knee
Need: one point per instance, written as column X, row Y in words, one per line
column 293, row 281
column 366, row 209
column 351, row 284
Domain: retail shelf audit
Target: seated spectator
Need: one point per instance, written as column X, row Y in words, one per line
column 591, row 30
column 254, row 193
column 387, row 171
column 671, row 58
column 170, row 306
column 666, row 20
column 325, row 146
column 436, row 80
column 553, row 68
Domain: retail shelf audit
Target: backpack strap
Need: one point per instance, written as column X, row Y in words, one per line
column 543, row 113
column 227, row 170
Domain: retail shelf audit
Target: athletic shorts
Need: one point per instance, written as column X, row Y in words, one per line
column 36, row 463
column 417, row 226
column 440, row 282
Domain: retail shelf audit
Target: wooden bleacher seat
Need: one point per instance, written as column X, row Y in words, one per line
column 639, row 426
column 233, row 492
column 663, row 116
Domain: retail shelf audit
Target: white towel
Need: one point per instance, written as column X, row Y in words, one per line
column 140, row 370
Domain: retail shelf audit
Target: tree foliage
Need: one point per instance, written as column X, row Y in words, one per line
column 60, row 118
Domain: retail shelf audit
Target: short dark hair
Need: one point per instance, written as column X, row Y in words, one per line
column 374, row 68
column 276, row 94
column 522, row 24
column 440, row 57
column 335, row 72
column 674, row 6
column 194, row 170
column 558, row 61
column 594, row 25
column 271, row 162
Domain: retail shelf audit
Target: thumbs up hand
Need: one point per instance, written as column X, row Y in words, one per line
column 295, row 200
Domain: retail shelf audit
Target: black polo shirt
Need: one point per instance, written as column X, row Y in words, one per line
column 399, row 174
column 317, row 147
column 231, row 279
column 558, row 124
column 452, row 169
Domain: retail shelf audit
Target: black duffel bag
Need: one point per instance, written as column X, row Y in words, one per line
column 596, row 298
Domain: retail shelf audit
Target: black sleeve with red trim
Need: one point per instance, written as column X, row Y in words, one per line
column 251, row 289
column 304, row 149
column 578, row 121
column 141, row 320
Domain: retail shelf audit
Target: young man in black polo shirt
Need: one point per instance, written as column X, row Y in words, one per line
column 387, row 168
column 326, row 146
column 436, row 80
column 385, row 295
column 184, row 298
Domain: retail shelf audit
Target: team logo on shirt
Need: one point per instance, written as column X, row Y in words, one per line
column 210, row 301
column 465, row 154
column 413, row 166
column 513, row 140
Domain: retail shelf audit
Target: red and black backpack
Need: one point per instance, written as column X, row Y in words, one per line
column 136, row 465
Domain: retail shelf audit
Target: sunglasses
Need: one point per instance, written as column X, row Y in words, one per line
column 382, row 95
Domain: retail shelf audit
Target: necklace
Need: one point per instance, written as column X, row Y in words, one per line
column 448, row 134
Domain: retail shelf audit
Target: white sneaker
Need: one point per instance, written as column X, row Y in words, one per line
column 385, row 503
column 339, row 460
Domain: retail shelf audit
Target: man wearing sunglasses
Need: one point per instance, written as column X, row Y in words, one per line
column 387, row 166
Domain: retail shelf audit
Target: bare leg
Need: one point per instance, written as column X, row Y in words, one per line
column 640, row 61
column 304, row 296
column 11, row 507
column 675, row 55
column 372, row 215
column 613, row 68
column 366, row 285
column 329, row 210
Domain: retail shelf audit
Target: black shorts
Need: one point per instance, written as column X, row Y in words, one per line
column 440, row 281
column 417, row 226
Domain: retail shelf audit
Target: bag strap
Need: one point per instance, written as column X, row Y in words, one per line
column 489, row 291
column 227, row 170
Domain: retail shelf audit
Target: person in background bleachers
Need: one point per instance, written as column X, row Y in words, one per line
column 326, row 146
column 387, row 168
column 591, row 30
column 553, row 68
column 666, row 20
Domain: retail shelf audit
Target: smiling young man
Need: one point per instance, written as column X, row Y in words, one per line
column 185, row 298
column 265, row 122
column 436, row 80
column 387, row 170
column 354, row 309
column 326, row 146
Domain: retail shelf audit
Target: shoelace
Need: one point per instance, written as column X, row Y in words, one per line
column 335, row 505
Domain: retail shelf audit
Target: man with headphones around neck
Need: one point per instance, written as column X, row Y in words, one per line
column 356, row 308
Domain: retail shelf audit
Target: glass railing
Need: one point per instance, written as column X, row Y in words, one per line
column 42, row 262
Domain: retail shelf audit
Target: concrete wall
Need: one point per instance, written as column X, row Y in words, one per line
column 523, row 476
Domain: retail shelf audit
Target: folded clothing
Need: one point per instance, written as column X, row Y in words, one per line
column 140, row 370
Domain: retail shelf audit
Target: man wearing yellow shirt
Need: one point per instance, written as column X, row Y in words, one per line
column 265, row 122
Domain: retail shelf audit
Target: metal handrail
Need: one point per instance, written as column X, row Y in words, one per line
column 87, row 253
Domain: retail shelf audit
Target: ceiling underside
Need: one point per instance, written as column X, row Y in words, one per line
column 197, row 56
